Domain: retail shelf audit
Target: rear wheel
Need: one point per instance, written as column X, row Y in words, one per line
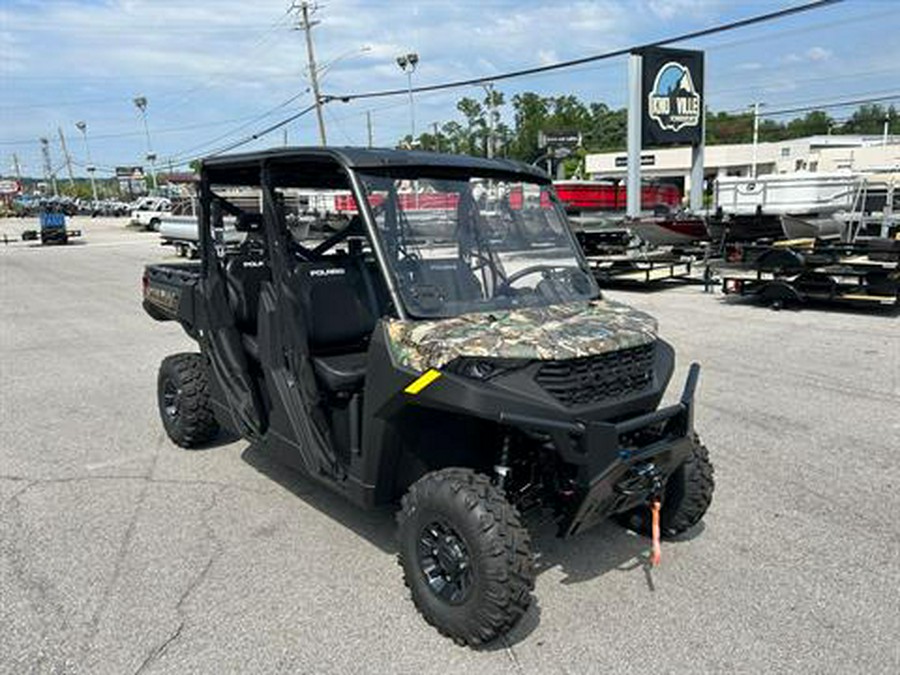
column 687, row 497
column 183, row 397
column 466, row 558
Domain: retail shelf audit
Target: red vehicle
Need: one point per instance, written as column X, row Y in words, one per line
column 579, row 196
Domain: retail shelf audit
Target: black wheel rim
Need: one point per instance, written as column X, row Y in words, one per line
column 445, row 562
column 171, row 396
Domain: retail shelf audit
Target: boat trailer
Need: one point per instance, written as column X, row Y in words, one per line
column 864, row 273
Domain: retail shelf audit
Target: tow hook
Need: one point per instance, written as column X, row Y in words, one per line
column 644, row 479
column 647, row 479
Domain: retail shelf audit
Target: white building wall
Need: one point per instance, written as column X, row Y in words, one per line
column 816, row 153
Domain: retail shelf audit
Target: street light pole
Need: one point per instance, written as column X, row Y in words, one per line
column 408, row 63
column 82, row 127
column 141, row 103
column 756, row 107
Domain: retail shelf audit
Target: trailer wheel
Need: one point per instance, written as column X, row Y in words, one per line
column 183, row 397
column 466, row 558
column 687, row 497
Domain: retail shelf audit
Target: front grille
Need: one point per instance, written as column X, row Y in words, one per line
column 594, row 379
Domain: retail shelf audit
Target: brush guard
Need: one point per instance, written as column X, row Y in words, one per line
column 620, row 464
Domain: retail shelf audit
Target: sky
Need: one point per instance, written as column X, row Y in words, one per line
column 216, row 72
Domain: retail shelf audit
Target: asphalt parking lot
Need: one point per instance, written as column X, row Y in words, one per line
column 121, row 553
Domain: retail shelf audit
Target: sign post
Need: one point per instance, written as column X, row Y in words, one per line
column 665, row 107
column 697, row 152
column 633, row 182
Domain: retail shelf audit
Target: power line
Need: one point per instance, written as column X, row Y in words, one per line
column 529, row 71
column 838, row 104
column 742, row 23
column 193, row 149
column 763, row 86
column 264, row 132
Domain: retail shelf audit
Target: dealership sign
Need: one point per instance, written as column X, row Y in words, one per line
column 672, row 97
column 130, row 173
column 10, row 187
column 565, row 138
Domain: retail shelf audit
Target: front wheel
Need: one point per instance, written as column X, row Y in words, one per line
column 687, row 497
column 466, row 557
column 183, row 397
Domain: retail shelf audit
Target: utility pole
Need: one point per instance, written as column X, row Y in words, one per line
column 49, row 174
column 884, row 138
column 369, row 127
column 306, row 26
column 756, row 107
column 65, row 150
column 17, row 167
column 489, row 90
column 437, row 137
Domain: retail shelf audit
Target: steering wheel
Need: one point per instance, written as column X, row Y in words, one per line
column 533, row 269
column 547, row 269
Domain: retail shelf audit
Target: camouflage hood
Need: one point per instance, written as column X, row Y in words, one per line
column 548, row 333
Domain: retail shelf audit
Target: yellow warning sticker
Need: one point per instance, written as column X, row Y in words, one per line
column 422, row 381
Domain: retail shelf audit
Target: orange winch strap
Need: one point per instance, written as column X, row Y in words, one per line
column 656, row 551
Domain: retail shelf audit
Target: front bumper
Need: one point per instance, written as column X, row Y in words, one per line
column 607, row 453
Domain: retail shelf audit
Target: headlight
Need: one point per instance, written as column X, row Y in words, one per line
column 483, row 368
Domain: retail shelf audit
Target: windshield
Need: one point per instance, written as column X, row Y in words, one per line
column 472, row 244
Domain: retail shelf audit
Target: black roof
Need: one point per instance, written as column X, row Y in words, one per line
column 374, row 158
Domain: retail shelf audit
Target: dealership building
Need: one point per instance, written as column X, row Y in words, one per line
column 813, row 153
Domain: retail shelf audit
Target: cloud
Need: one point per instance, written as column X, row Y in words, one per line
column 818, row 54
column 813, row 54
column 673, row 9
column 206, row 63
column 547, row 56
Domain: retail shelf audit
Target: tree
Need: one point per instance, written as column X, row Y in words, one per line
column 604, row 129
column 869, row 119
column 815, row 123
column 530, row 113
column 476, row 124
column 608, row 128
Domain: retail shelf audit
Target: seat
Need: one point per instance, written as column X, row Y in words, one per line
column 245, row 272
column 452, row 276
column 340, row 322
column 342, row 372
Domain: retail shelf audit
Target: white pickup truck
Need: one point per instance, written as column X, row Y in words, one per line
column 148, row 212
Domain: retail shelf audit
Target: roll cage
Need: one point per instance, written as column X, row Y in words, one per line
column 333, row 169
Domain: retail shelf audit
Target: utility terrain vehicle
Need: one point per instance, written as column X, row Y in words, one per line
column 447, row 349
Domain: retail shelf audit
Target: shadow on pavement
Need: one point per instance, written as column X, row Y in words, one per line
column 815, row 306
column 605, row 548
column 376, row 525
